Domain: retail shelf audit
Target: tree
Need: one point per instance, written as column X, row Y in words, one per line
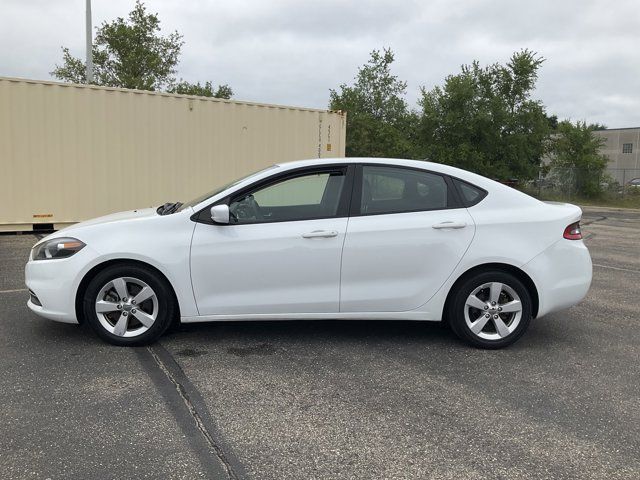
column 576, row 157
column 131, row 53
column 379, row 122
column 206, row 90
column 484, row 119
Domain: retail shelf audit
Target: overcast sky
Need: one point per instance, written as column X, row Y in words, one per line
column 292, row 51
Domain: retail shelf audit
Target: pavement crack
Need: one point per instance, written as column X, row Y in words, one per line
column 193, row 411
column 593, row 220
column 188, row 408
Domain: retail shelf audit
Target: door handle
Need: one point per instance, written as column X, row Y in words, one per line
column 449, row 225
column 320, row 234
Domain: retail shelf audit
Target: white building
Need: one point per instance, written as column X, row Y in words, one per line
column 622, row 147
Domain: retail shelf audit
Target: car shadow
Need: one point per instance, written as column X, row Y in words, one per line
column 261, row 337
column 266, row 337
column 313, row 331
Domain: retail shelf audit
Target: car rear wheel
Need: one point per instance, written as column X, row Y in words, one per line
column 491, row 309
column 129, row 305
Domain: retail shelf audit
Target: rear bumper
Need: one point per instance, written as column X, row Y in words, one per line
column 562, row 273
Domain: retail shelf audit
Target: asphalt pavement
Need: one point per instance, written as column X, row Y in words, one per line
column 331, row 399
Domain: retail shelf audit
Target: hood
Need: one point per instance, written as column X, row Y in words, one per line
column 116, row 217
column 111, row 218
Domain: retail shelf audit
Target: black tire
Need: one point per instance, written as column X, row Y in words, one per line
column 457, row 308
column 164, row 302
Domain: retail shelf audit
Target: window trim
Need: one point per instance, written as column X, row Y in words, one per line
column 453, row 197
column 204, row 215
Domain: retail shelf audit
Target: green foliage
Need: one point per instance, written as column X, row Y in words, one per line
column 484, row 119
column 206, row 90
column 576, row 158
column 131, row 53
column 379, row 123
column 128, row 53
column 72, row 69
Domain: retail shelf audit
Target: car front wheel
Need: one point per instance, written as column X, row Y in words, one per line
column 129, row 305
column 491, row 309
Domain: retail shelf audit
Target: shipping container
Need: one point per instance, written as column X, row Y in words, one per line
column 72, row 152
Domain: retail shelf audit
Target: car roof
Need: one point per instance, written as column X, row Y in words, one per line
column 479, row 180
column 384, row 161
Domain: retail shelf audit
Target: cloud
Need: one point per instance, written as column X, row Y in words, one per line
column 293, row 52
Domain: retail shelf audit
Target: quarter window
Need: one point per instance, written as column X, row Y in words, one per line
column 397, row 190
column 627, row 148
column 304, row 197
column 470, row 193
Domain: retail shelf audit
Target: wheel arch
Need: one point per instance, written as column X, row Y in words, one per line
column 90, row 275
column 504, row 267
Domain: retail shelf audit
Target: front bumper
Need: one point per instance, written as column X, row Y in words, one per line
column 55, row 283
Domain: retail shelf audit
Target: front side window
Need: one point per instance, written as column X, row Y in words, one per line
column 303, row 197
column 627, row 148
column 397, row 190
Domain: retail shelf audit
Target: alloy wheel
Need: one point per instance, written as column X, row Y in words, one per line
column 493, row 311
column 126, row 307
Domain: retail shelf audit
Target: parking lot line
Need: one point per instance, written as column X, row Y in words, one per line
column 15, row 290
column 616, row 268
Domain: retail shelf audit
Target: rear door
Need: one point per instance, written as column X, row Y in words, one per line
column 406, row 234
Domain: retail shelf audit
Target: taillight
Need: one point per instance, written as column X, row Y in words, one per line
column 573, row 232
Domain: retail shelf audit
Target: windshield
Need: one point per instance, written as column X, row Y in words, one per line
column 203, row 197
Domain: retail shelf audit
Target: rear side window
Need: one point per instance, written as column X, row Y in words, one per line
column 397, row 190
column 470, row 194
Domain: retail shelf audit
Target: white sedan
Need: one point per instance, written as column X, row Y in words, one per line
column 357, row 238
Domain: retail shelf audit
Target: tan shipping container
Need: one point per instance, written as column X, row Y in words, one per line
column 72, row 152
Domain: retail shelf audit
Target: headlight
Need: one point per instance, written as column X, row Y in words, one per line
column 56, row 248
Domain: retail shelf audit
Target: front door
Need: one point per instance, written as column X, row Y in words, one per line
column 281, row 251
column 405, row 238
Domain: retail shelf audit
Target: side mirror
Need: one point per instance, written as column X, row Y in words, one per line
column 220, row 213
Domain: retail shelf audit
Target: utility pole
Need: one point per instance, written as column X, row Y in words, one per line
column 89, row 45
